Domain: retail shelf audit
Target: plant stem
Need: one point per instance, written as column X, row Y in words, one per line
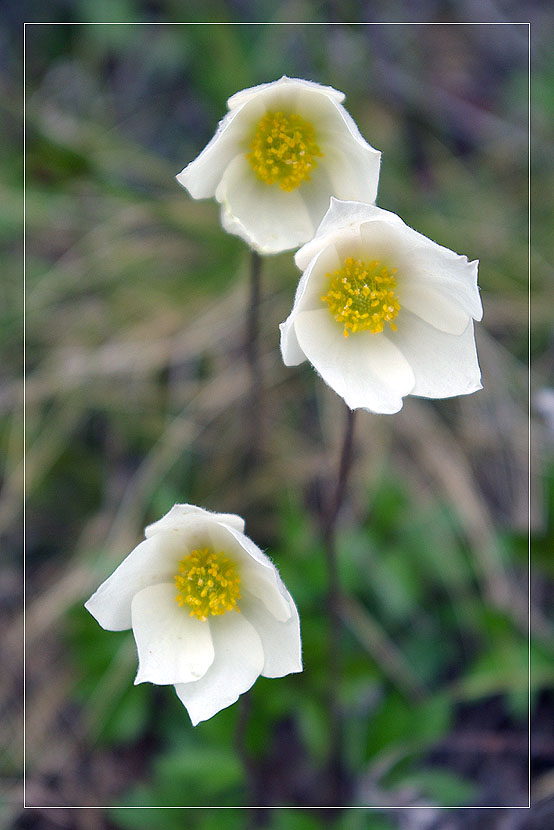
column 254, row 438
column 345, row 464
column 253, row 359
column 336, row 765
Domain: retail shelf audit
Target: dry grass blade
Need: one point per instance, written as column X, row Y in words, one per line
column 373, row 638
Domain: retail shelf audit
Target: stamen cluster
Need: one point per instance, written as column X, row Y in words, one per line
column 208, row 583
column 362, row 296
column 283, row 150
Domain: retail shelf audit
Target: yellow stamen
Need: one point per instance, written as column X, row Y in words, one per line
column 362, row 296
column 208, row 583
column 283, row 150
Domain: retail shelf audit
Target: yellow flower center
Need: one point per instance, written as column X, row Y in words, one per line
column 362, row 296
column 283, row 150
column 208, row 583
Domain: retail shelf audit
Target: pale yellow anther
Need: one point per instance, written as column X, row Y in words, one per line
column 362, row 296
column 283, row 150
column 205, row 597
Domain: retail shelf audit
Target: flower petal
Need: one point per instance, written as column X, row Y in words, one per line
column 314, row 283
column 348, row 166
column 273, row 595
column 175, row 519
column 341, row 222
column 352, row 164
column 432, row 306
column 422, row 262
column 444, row 364
column 367, row 370
column 238, row 662
column 291, row 352
column 172, row 646
column 452, row 275
column 152, row 562
column 268, row 218
column 202, row 175
column 285, row 84
column 310, row 288
column 257, row 572
column 280, row 639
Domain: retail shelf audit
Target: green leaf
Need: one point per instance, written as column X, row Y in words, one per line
column 404, row 726
column 443, row 788
column 504, row 670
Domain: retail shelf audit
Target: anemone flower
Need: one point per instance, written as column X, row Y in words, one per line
column 208, row 609
column 283, row 149
column 381, row 311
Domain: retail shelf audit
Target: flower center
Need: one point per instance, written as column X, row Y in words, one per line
column 283, row 150
column 208, row 583
column 362, row 296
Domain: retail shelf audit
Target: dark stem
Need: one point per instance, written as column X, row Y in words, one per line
column 336, row 766
column 253, row 431
column 253, row 359
column 345, row 464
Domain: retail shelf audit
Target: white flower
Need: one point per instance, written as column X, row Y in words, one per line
column 280, row 153
column 180, row 591
column 382, row 312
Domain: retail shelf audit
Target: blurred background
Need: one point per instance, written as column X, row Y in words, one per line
column 137, row 397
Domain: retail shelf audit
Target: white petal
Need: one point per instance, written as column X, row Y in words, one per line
column 204, row 173
column 307, row 293
column 344, row 213
column 273, row 595
column 422, row 262
column 352, row 170
column 315, row 281
column 238, row 662
column 257, row 572
column 348, row 166
column 280, row 640
column 173, row 647
column 444, row 365
column 153, row 561
column 291, row 352
column 352, row 164
column 367, row 370
column 177, row 517
column 268, row 218
column 287, row 84
column 314, row 193
column 311, row 287
column 341, row 222
column 433, row 307
column 390, row 243
column 449, row 274
column 236, row 544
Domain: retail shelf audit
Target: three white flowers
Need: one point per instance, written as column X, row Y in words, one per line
column 380, row 311
column 208, row 609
